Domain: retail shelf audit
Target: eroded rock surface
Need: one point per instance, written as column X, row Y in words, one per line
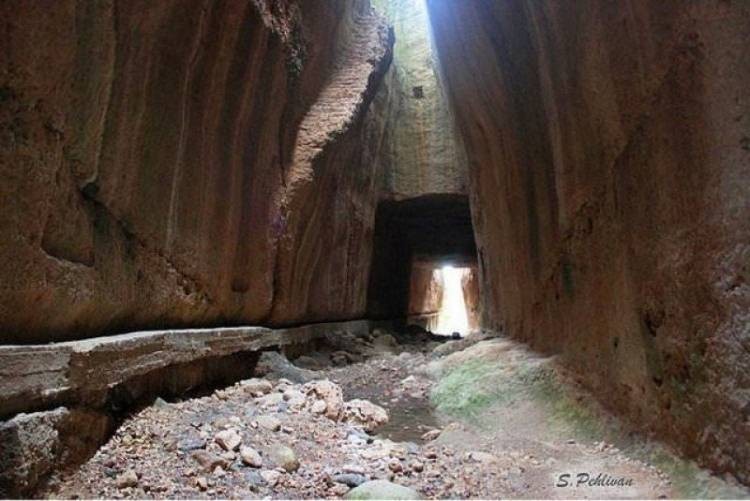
column 140, row 189
column 38, row 444
column 608, row 145
column 420, row 152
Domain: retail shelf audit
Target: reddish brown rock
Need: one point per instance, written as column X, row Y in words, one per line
column 157, row 168
column 330, row 191
column 609, row 159
column 470, row 287
column 425, row 294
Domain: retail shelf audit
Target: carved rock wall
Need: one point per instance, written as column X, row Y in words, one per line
column 158, row 166
column 420, row 153
column 470, row 286
column 609, row 153
column 425, row 290
column 425, row 295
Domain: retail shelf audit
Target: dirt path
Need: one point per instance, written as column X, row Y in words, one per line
column 500, row 422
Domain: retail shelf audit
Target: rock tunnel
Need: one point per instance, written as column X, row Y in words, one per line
column 412, row 239
column 230, row 226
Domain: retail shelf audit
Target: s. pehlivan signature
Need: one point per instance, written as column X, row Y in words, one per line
column 587, row 479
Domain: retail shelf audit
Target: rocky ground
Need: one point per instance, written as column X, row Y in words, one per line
column 380, row 417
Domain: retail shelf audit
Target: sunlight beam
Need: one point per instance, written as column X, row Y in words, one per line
column 452, row 316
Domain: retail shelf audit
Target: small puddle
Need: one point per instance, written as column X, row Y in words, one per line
column 409, row 419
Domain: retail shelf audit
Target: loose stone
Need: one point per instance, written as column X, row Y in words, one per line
column 251, row 457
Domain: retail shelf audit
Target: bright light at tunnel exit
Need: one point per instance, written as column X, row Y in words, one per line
column 452, row 315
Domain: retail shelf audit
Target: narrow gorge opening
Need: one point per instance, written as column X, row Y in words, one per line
column 374, row 249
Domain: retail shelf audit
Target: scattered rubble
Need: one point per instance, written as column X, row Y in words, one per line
column 257, row 387
column 347, row 433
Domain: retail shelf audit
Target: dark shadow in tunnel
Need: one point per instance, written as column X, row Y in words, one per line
column 434, row 228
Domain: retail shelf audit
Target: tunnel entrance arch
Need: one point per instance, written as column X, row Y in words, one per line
column 414, row 240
